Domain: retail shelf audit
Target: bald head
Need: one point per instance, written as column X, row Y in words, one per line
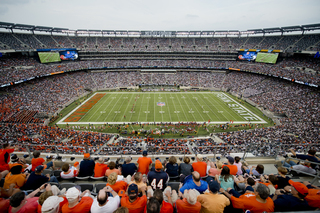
column 196, row 176
column 102, row 197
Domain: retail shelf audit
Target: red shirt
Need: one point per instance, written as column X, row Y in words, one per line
column 36, row 162
column 200, row 167
column 5, row 158
column 100, row 169
column 144, row 163
column 83, row 206
column 166, row 207
column 119, row 185
column 249, row 202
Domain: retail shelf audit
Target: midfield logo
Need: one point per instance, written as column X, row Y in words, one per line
column 161, row 103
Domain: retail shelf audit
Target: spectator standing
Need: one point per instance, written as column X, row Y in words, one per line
column 86, row 166
column 200, row 166
column 212, row 201
column 144, row 163
column 131, row 200
column 104, row 203
column 128, row 168
column 5, row 156
column 100, row 168
column 158, row 179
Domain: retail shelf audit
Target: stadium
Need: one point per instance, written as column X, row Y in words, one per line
column 114, row 94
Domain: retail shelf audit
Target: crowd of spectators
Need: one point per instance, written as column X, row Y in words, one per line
column 30, row 41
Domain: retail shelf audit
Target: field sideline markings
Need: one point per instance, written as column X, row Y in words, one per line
column 208, row 107
column 97, row 110
column 215, row 106
column 225, row 105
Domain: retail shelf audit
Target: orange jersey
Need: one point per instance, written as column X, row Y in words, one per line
column 83, row 206
column 144, row 163
column 135, row 207
column 100, row 169
column 200, row 167
column 249, row 202
column 313, row 198
column 119, row 185
column 18, row 179
column 36, row 162
column 233, row 169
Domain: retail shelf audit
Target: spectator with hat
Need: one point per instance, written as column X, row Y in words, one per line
column 158, row 179
column 36, row 179
column 131, row 200
column 52, row 204
column 212, row 201
column 292, row 198
column 77, row 202
column 189, row 203
column 144, row 163
column 233, row 168
column 200, row 166
column 257, row 201
column 86, row 166
column 100, row 168
column 104, row 203
column 194, row 182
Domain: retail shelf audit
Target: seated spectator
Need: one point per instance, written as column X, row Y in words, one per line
column 212, row 201
column 137, row 179
column 122, row 209
column 36, row 179
column 259, row 201
column 77, row 201
column 233, row 168
column 194, row 182
column 164, row 206
column 153, row 205
column 144, row 163
column 15, row 177
column 200, row 166
column 185, row 169
column 238, row 164
column 116, row 185
column 17, row 161
column 52, row 204
column 172, row 168
column 158, row 179
column 304, row 167
column 215, row 169
column 270, row 181
column 294, row 201
column 283, row 180
column 112, row 169
column 189, row 203
column 128, row 168
column 100, row 168
column 313, row 196
column 37, row 161
column 86, row 166
column 310, row 157
column 131, row 200
column 225, row 179
column 244, row 184
column 256, row 171
column 19, row 202
column 68, row 172
column 105, row 203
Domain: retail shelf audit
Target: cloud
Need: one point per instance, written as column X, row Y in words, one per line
column 14, row 2
column 192, row 16
column 3, row 9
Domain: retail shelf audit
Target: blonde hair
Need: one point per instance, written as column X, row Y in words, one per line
column 219, row 164
column 112, row 178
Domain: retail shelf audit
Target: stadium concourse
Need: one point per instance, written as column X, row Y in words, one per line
column 33, row 95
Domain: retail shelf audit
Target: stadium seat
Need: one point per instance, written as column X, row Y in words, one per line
column 67, row 185
column 47, row 171
column 98, row 178
column 175, row 178
column 68, row 179
column 57, row 173
column 83, row 178
column 99, row 186
column 85, row 186
column 54, row 183
column 174, row 185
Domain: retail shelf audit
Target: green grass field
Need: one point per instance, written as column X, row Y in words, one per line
column 47, row 57
column 148, row 107
column 270, row 58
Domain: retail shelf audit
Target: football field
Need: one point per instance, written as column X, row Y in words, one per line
column 148, row 107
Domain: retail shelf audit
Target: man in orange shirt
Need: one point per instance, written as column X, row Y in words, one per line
column 144, row 163
column 189, row 204
column 100, row 168
column 256, row 202
column 233, row 168
column 75, row 205
column 131, row 200
column 36, row 161
column 200, row 166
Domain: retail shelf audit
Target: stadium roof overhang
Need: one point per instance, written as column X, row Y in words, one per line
column 311, row 27
column 291, row 28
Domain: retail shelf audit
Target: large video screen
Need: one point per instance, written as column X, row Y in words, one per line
column 247, row 56
column 69, row 55
column 270, row 58
column 48, row 57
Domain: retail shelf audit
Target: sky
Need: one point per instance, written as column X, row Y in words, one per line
column 164, row 15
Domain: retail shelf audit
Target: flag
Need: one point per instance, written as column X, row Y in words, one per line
column 161, row 103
